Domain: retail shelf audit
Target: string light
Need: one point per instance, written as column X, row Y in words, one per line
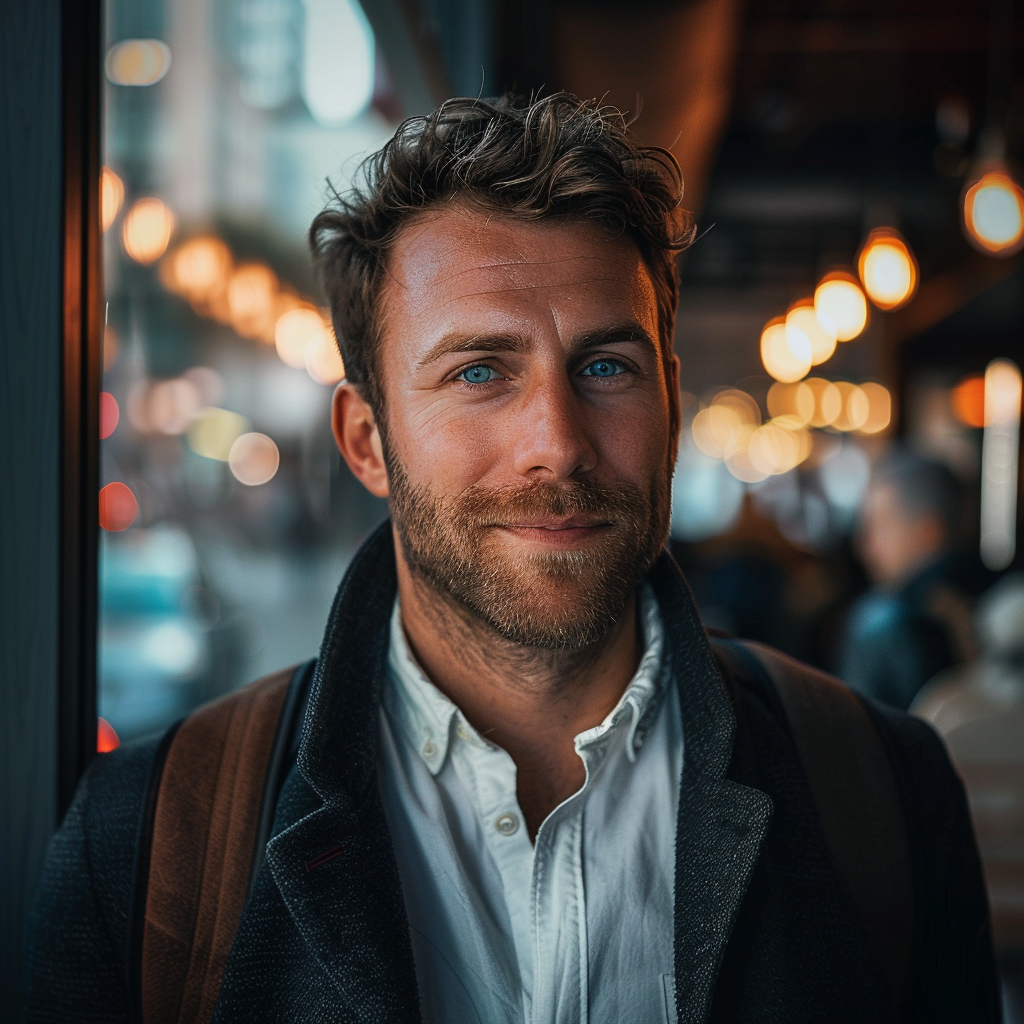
column 887, row 269
column 841, row 306
column 994, row 214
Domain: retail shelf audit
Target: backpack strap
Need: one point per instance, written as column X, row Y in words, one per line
column 857, row 799
column 212, row 812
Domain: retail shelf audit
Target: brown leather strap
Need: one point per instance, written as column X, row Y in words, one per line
column 204, row 832
column 854, row 790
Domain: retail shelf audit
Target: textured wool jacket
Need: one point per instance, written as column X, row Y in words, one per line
column 764, row 928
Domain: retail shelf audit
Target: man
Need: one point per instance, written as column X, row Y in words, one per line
column 526, row 789
column 913, row 623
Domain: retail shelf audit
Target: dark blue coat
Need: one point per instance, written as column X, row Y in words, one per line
column 764, row 929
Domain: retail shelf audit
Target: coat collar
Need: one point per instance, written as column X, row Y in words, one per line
column 721, row 823
column 336, row 868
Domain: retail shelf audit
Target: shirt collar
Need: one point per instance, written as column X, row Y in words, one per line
column 427, row 718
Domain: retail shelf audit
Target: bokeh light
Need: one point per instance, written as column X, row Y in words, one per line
column 214, row 432
column 106, row 738
column 137, row 62
column 994, row 214
column 854, row 408
column 724, row 427
column 118, row 507
column 253, row 459
column 111, row 197
column 172, row 405
column 109, row 414
column 323, row 359
column 147, row 230
column 841, row 306
column 786, row 354
column 968, row 401
column 294, row 331
column 879, row 408
column 887, row 269
column 252, row 301
column 791, row 400
column 803, row 320
column 199, row 271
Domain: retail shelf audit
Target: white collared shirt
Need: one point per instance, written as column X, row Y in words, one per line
column 576, row 928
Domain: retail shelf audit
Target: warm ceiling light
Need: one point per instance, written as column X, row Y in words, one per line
column 137, row 62
column 199, row 269
column 887, row 269
column 147, row 230
column 968, row 401
column 840, row 305
column 294, row 332
column 994, row 214
column 879, row 408
column 803, row 320
column 786, row 354
column 111, row 197
column 323, row 358
column 252, row 301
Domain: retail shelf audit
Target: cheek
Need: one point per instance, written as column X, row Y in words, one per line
column 450, row 451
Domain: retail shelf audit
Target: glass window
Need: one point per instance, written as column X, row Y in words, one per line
column 228, row 516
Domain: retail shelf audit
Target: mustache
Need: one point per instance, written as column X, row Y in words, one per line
column 485, row 506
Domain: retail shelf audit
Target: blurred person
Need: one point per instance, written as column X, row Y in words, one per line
column 914, row 621
column 522, row 785
column 978, row 708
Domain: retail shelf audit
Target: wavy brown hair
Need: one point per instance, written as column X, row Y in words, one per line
column 553, row 158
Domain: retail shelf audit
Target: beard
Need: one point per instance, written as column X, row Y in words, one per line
column 557, row 600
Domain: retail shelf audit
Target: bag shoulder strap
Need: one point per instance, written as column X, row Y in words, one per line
column 211, row 817
column 857, row 800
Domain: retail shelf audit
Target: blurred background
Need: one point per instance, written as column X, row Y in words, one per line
column 851, row 329
column 853, row 304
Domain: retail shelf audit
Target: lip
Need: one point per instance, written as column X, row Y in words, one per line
column 558, row 523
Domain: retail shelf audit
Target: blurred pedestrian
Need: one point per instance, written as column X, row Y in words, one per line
column 914, row 622
column 978, row 708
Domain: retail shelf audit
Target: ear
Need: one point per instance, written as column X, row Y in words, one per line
column 355, row 432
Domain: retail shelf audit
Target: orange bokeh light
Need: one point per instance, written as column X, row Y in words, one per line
column 252, row 301
column 968, row 401
column 109, row 414
column 106, row 738
column 147, row 230
column 994, row 214
column 118, row 507
column 888, row 269
column 111, row 197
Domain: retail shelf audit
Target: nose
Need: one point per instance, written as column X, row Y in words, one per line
column 551, row 441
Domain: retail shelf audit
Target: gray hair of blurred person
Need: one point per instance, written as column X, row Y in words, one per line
column 924, row 487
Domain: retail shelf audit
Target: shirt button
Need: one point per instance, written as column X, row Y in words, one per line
column 507, row 824
column 429, row 750
column 460, row 731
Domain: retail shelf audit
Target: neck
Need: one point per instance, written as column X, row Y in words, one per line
column 530, row 701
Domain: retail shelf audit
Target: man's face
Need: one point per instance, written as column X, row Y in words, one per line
column 528, row 422
column 893, row 542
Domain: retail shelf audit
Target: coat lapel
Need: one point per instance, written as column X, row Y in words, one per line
column 335, row 868
column 721, row 823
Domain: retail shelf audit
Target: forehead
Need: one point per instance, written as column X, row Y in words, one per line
column 454, row 266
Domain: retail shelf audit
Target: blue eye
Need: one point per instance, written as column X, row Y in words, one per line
column 477, row 375
column 604, row 368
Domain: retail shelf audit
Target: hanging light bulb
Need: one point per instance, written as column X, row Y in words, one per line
column 994, row 213
column 887, row 269
column 840, row 305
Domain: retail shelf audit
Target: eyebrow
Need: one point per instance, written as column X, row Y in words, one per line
column 461, row 342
